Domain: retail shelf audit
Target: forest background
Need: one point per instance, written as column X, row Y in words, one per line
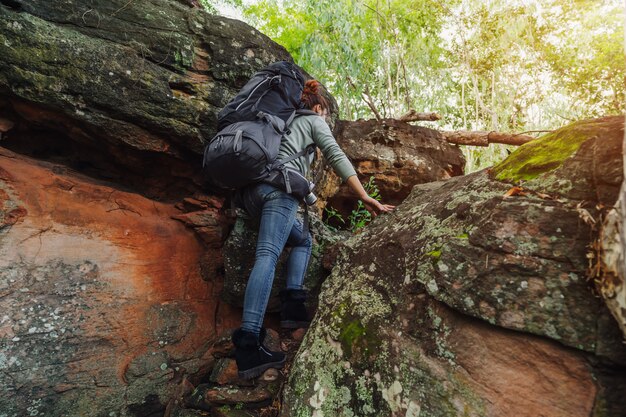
column 501, row 65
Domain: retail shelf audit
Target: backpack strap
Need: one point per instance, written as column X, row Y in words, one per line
column 264, row 116
column 296, row 113
column 288, row 123
column 308, row 150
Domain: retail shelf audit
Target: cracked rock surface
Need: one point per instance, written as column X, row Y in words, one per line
column 471, row 298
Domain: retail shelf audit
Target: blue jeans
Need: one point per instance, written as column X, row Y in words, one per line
column 279, row 227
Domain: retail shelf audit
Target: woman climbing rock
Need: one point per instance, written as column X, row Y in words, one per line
column 279, row 226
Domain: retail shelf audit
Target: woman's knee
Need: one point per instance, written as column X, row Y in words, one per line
column 268, row 250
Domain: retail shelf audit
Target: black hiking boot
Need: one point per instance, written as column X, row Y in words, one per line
column 293, row 314
column 251, row 355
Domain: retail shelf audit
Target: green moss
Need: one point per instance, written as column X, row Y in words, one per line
column 350, row 334
column 544, row 154
column 356, row 339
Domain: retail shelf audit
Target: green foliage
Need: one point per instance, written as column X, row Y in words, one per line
column 359, row 217
column 537, row 65
column 506, row 65
column 332, row 215
column 477, row 158
column 356, row 48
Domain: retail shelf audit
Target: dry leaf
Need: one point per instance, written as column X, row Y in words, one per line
column 515, row 191
column 585, row 215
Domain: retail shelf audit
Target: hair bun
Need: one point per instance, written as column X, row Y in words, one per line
column 311, row 95
column 311, row 87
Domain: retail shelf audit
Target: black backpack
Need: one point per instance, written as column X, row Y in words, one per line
column 245, row 152
column 275, row 90
column 252, row 127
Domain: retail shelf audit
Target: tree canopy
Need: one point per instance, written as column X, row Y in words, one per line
column 483, row 64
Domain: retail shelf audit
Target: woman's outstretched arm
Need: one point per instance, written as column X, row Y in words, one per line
column 373, row 206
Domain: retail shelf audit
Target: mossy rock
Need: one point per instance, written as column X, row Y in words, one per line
column 461, row 290
column 550, row 151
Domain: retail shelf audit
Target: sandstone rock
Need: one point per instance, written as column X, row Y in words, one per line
column 397, row 154
column 225, row 372
column 416, row 318
column 125, row 89
column 571, row 162
column 232, row 395
column 298, row 334
column 100, row 292
column 270, row 375
column 223, row 346
column 272, row 339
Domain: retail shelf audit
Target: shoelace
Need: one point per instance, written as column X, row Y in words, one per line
column 263, row 349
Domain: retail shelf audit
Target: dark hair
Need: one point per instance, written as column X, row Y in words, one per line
column 311, row 95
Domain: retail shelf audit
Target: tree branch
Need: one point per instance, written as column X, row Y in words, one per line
column 413, row 116
column 484, row 138
column 367, row 99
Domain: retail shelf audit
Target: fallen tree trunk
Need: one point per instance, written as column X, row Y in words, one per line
column 484, row 138
column 413, row 116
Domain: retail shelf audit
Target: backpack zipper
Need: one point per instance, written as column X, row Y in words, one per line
column 267, row 78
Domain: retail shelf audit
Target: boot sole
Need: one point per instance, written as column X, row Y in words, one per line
column 258, row 370
column 292, row 324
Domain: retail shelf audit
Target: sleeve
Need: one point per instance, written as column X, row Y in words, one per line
column 333, row 154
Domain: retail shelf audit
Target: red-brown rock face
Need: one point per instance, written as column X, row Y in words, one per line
column 397, row 154
column 100, row 291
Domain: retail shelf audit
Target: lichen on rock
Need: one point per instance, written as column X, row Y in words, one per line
column 432, row 288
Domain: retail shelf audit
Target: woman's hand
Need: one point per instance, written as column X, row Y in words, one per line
column 372, row 205
column 376, row 207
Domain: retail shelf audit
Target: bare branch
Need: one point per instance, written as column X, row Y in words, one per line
column 365, row 95
column 484, row 138
column 413, row 116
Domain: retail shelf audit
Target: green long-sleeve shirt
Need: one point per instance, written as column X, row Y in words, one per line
column 309, row 129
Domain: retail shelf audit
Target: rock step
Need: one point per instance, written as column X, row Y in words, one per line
column 225, row 394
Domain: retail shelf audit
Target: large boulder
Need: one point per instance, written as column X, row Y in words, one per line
column 104, row 307
column 398, row 155
column 122, row 89
column 471, row 298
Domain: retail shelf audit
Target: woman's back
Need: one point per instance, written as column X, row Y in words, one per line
column 308, row 130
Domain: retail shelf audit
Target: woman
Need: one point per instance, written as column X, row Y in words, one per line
column 279, row 227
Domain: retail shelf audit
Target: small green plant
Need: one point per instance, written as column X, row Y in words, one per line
column 359, row 217
column 331, row 214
